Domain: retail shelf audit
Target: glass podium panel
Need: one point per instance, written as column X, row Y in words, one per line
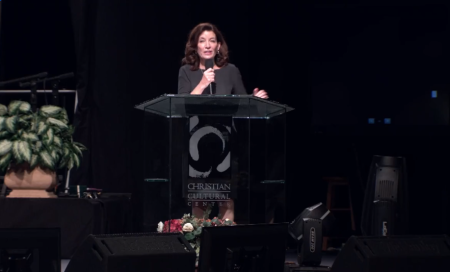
column 225, row 153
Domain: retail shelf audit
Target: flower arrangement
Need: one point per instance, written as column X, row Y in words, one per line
column 191, row 227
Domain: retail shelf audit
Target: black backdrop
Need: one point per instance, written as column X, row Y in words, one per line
column 126, row 52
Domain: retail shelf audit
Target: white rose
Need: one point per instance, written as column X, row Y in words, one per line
column 160, row 227
column 188, row 227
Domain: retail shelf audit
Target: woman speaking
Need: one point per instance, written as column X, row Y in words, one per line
column 206, row 43
column 206, row 70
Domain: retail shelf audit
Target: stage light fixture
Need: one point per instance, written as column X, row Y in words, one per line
column 308, row 229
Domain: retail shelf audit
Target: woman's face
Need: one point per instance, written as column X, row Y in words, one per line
column 207, row 45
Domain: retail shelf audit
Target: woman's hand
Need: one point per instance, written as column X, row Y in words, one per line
column 208, row 77
column 260, row 93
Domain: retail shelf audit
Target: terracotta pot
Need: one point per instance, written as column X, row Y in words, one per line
column 27, row 183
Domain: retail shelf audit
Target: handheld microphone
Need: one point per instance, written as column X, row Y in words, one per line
column 209, row 63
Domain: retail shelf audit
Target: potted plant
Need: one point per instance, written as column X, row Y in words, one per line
column 33, row 145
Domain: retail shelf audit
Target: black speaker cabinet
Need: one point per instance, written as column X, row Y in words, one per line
column 394, row 253
column 147, row 252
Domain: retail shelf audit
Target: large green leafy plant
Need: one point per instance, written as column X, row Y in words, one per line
column 42, row 138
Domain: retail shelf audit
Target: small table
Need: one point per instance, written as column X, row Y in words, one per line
column 77, row 218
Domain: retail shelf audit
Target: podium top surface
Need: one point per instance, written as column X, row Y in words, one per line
column 238, row 106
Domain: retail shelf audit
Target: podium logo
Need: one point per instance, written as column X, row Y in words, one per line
column 209, row 148
column 312, row 239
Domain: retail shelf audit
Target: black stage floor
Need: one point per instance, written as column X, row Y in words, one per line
column 328, row 258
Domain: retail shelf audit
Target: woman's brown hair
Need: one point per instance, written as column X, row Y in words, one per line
column 190, row 54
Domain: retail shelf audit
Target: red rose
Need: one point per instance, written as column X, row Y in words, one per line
column 175, row 226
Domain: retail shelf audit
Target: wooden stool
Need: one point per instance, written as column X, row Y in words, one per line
column 333, row 182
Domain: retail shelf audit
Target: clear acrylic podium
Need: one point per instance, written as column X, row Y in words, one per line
column 226, row 152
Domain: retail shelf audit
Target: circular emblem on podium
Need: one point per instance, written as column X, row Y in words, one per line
column 209, row 148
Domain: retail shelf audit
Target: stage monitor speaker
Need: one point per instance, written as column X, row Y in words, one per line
column 394, row 253
column 149, row 252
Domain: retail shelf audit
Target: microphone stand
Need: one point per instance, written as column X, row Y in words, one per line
column 32, row 83
column 55, row 93
column 33, row 95
column 55, row 87
column 22, row 79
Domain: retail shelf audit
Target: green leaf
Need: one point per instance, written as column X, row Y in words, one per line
column 28, row 116
column 57, row 141
column 54, row 155
column 63, row 161
column 16, row 152
column 67, row 134
column 2, row 122
column 64, row 117
column 32, row 137
column 19, row 133
column 4, row 161
column 26, row 119
column 14, row 107
column 34, row 123
column 197, row 231
column 69, row 163
column 11, row 124
column 207, row 212
column 80, row 146
column 22, row 122
column 49, row 137
column 42, row 128
column 76, row 160
column 38, row 146
column 189, row 236
column 4, row 134
column 77, row 150
column 5, row 147
column 46, row 159
column 24, row 150
column 25, row 107
column 50, row 110
column 3, row 110
column 34, row 161
column 207, row 224
column 66, row 151
column 56, row 123
column 66, row 157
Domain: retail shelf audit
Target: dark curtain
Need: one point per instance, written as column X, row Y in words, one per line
column 36, row 36
column 83, row 38
column 102, row 117
column 1, row 48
